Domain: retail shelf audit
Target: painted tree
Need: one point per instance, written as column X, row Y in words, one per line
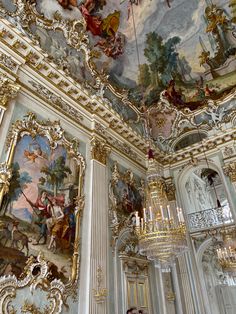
column 18, row 183
column 154, row 53
column 184, row 68
column 162, row 57
column 170, row 60
column 55, row 173
column 144, row 78
column 232, row 5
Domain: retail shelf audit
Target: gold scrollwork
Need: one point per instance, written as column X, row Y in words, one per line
column 100, row 293
column 5, row 176
column 230, row 171
column 99, row 150
column 54, row 290
column 170, row 191
column 55, row 134
column 120, row 221
column 28, row 308
column 8, row 90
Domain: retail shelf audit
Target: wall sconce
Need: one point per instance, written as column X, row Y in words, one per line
column 99, row 294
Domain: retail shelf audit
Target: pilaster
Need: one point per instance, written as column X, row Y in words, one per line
column 8, row 91
column 230, row 172
column 99, row 228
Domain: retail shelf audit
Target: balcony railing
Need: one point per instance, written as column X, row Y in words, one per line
column 208, row 219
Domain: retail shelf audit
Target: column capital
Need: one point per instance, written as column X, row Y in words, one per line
column 8, row 90
column 230, row 171
column 99, row 149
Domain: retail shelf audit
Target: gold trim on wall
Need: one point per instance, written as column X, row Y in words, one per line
column 99, row 150
column 53, row 131
column 8, row 90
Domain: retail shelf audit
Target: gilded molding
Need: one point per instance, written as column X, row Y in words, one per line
column 8, row 90
column 120, row 221
column 170, row 191
column 56, row 136
column 5, row 177
column 56, row 101
column 230, row 171
column 8, row 63
column 92, row 103
column 76, row 36
column 100, row 293
column 54, row 290
column 121, row 146
column 99, row 150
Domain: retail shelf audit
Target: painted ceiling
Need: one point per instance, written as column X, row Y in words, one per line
column 159, row 61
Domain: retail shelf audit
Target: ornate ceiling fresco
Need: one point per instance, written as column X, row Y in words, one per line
column 171, row 63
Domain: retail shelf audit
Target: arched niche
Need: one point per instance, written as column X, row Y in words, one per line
column 200, row 186
column 218, row 287
column 188, row 140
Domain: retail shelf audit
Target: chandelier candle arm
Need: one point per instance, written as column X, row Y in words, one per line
column 150, row 213
column 144, row 215
column 168, row 212
column 162, row 213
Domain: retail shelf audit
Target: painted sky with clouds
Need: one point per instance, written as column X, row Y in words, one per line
column 184, row 19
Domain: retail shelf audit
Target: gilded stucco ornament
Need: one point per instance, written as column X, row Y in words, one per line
column 8, row 63
column 123, row 147
column 57, row 102
column 230, row 171
column 75, row 34
column 29, row 307
column 8, row 90
column 100, row 293
column 120, row 219
column 99, row 150
column 36, row 276
column 5, row 177
column 170, row 191
column 56, row 136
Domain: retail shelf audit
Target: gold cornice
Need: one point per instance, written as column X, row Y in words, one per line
column 26, row 88
column 197, row 150
column 32, row 91
column 108, row 115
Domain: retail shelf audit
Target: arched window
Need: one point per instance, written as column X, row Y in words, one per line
column 189, row 140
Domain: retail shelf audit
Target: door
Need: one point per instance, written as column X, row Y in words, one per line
column 137, row 293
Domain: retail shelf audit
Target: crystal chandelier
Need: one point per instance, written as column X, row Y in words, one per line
column 227, row 259
column 161, row 231
column 227, row 253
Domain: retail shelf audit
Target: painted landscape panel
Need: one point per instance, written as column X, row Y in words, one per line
column 38, row 212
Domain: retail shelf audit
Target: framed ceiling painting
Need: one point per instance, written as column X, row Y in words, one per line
column 41, row 200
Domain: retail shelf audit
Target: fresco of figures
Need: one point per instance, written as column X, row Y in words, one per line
column 126, row 194
column 38, row 212
column 182, row 49
column 185, row 48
